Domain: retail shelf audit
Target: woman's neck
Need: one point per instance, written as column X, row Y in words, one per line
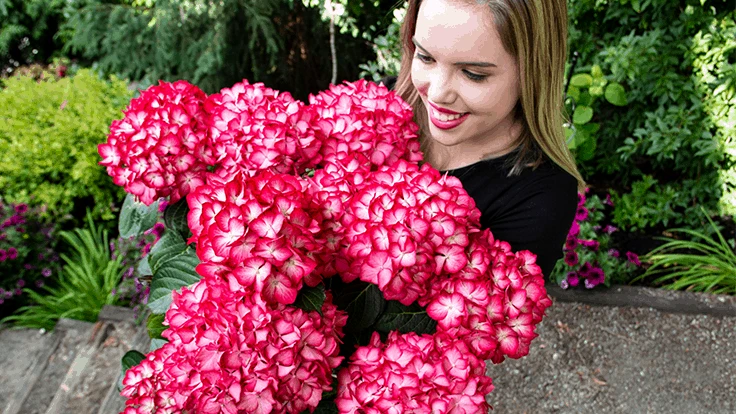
column 445, row 158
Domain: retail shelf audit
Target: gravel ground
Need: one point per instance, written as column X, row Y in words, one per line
column 600, row 359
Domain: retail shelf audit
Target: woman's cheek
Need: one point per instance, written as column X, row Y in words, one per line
column 418, row 79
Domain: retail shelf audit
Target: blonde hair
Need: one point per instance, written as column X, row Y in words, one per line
column 535, row 33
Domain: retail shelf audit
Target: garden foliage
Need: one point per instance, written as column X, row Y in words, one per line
column 213, row 44
column 28, row 31
column 671, row 149
column 49, row 132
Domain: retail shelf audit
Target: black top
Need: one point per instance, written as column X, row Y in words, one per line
column 531, row 211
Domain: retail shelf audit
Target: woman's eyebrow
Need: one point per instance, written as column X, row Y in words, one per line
column 480, row 64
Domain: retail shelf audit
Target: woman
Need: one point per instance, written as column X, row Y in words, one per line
column 485, row 79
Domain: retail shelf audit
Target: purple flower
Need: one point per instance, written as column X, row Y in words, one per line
column 21, row 283
column 18, row 292
column 28, row 266
column 574, row 229
column 564, row 284
column 571, row 258
column 39, row 283
column 589, row 284
column 46, row 272
column 613, row 253
column 609, row 229
column 633, row 258
column 21, row 208
column 591, row 244
column 12, row 253
column 162, row 206
column 571, row 243
column 581, row 214
column 158, row 230
column 608, row 200
column 581, row 199
column 573, row 279
column 596, row 276
column 585, row 269
column 3, row 255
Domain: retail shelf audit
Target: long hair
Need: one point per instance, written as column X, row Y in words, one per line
column 535, row 33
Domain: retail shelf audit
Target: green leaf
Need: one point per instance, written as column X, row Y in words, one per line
column 143, row 268
column 402, row 318
column 616, row 94
column 581, row 80
column 172, row 262
column 362, row 301
column 172, row 275
column 596, row 90
column 156, row 343
column 168, row 247
column 596, row 71
column 311, row 299
column 582, row 115
column 586, row 150
column 573, row 92
column 155, row 325
column 175, row 218
column 136, row 217
column 131, row 359
column 326, row 406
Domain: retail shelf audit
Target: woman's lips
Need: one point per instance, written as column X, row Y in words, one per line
column 445, row 120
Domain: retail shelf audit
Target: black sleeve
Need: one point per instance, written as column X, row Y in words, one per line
column 538, row 218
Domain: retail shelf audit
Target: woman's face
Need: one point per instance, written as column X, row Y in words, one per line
column 468, row 82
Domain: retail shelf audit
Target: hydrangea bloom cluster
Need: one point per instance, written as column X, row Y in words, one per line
column 413, row 373
column 256, row 233
column 367, row 122
column 299, row 193
column 494, row 302
column 152, row 151
column 404, row 225
column 255, row 128
column 231, row 353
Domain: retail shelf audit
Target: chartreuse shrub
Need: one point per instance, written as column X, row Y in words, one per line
column 670, row 150
column 49, row 133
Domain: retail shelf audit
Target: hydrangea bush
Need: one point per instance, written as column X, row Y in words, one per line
column 314, row 263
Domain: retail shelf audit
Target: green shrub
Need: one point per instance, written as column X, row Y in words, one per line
column 28, row 31
column 671, row 149
column 282, row 43
column 49, row 133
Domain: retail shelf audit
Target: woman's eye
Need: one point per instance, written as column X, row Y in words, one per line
column 474, row 76
column 424, row 58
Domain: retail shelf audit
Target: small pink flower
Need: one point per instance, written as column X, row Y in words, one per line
column 581, row 213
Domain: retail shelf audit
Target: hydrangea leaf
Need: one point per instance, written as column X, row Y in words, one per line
column 136, row 217
column 402, row 318
column 156, row 343
column 172, row 262
column 172, row 275
column 155, row 325
column 175, row 218
column 311, row 298
column 362, row 301
column 131, row 359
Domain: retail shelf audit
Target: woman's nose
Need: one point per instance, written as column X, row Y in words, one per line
column 440, row 87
